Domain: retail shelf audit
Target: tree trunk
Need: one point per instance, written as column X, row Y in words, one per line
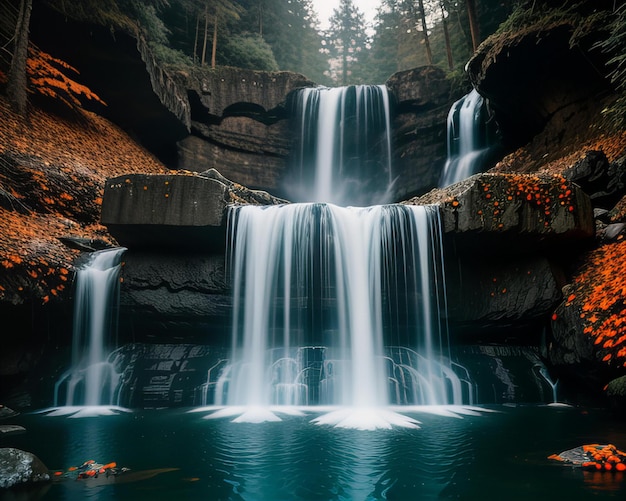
column 17, row 83
column 195, row 40
column 214, row 49
column 446, row 36
column 429, row 53
column 473, row 22
column 206, row 34
column 344, row 65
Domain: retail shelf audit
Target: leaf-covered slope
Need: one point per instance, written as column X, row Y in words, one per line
column 52, row 173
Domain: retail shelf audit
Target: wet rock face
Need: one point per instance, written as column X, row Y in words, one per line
column 19, row 467
column 422, row 100
column 227, row 91
column 241, row 124
column 256, row 158
column 138, row 208
column 173, row 277
column 571, row 345
column 499, row 232
column 183, row 293
column 490, row 294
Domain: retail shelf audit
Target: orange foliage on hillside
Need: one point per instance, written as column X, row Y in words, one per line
column 46, row 76
column 544, row 157
column 52, row 174
column 600, row 294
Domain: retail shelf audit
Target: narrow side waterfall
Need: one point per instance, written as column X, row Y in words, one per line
column 92, row 378
column 468, row 141
column 344, row 146
column 337, row 306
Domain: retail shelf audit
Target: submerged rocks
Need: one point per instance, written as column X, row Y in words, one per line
column 6, row 412
column 20, row 467
column 11, row 429
column 165, row 375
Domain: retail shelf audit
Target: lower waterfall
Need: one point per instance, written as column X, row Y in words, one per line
column 337, row 306
column 92, row 380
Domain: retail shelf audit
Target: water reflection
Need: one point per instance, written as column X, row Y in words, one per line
column 179, row 455
column 290, row 460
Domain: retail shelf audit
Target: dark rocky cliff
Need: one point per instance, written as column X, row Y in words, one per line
column 548, row 86
column 230, row 119
column 514, row 263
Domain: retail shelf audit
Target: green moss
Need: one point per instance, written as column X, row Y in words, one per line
column 617, row 387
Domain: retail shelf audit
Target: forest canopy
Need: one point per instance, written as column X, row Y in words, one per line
column 286, row 34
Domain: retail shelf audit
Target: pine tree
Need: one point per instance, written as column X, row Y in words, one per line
column 346, row 41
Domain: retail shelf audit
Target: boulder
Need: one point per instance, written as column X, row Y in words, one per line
column 19, row 467
column 423, row 88
column 604, row 182
column 512, row 209
column 588, row 325
column 616, row 393
column 181, row 210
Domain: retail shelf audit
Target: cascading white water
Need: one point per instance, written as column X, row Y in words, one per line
column 344, row 154
column 92, row 378
column 467, row 146
column 318, row 289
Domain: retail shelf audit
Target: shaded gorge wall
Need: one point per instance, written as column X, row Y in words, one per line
column 502, row 279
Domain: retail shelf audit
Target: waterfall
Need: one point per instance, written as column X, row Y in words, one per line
column 332, row 305
column 468, row 144
column 344, row 145
column 92, row 378
column 337, row 306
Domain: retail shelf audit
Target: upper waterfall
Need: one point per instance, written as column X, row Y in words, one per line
column 469, row 144
column 343, row 155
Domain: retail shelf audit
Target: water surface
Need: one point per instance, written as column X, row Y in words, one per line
column 174, row 454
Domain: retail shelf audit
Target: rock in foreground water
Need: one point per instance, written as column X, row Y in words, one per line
column 20, row 467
